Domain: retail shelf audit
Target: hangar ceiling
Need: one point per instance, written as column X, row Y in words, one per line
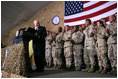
column 14, row 13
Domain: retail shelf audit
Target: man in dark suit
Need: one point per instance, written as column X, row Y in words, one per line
column 39, row 46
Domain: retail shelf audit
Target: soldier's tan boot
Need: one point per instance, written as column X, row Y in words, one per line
column 104, row 70
column 115, row 71
column 91, row 69
column 77, row 68
column 100, row 70
column 112, row 71
column 68, row 67
column 86, row 69
column 59, row 66
column 55, row 67
column 49, row 65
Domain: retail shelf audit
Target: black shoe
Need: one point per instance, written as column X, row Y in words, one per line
column 41, row 70
column 68, row 68
column 31, row 71
column 38, row 70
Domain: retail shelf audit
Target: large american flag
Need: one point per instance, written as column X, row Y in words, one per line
column 77, row 11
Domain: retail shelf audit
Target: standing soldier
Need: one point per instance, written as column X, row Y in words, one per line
column 77, row 39
column 80, row 29
column 89, row 55
column 83, row 27
column 104, row 20
column 48, row 51
column 101, row 47
column 68, row 47
column 94, row 24
column 112, row 43
column 72, row 29
column 59, row 46
column 54, row 54
column 62, row 54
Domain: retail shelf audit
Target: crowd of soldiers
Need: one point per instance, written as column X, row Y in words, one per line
column 89, row 41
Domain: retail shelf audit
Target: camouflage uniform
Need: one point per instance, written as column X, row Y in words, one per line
column 59, row 38
column 77, row 37
column 67, row 48
column 54, row 54
column 112, row 46
column 90, row 48
column 102, row 49
column 48, row 51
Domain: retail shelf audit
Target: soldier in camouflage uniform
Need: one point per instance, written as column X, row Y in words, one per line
column 112, row 43
column 48, row 51
column 59, row 46
column 104, row 20
column 101, row 47
column 62, row 54
column 54, row 54
column 77, row 39
column 89, row 55
column 72, row 29
column 68, row 47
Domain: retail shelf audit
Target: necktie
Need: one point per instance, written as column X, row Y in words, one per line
column 37, row 28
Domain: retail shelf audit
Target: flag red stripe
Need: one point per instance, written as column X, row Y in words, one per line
column 95, row 5
column 93, row 14
column 86, row 2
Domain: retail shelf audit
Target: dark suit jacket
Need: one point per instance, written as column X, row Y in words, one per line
column 39, row 43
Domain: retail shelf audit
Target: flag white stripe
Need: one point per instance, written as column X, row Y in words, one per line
column 107, row 22
column 111, row 12
column 90, row 11
column 90, row 3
